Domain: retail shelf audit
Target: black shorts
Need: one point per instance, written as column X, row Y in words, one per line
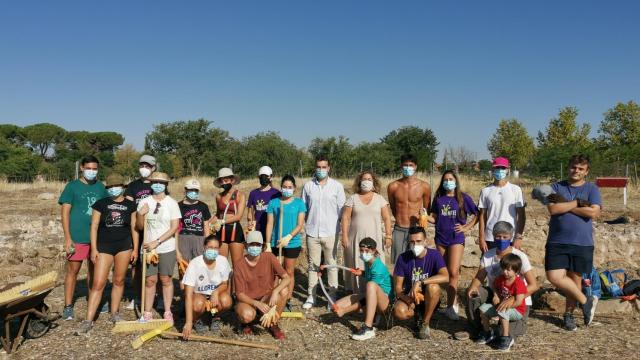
column 113, row 248
column 228, row 234
column 578, row 259
column 288, row 253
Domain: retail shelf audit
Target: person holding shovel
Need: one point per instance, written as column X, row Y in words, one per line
column 161, row 214
column 114, row 243
column 261, row 285
column 285, row 215
column 230, row 204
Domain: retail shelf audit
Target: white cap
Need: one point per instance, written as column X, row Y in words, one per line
column 192, row 184
column 265, row 170
column 254, row 237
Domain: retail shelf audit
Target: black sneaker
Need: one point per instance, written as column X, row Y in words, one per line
column 485, row 337
column 216, row 324
column 365, row 333
column 199, row 327
column 505, row 343
column 570, row 322
column 589, row 309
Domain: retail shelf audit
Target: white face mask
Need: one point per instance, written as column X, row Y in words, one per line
column 417, row 249
column 366, row 185
column 145, row 172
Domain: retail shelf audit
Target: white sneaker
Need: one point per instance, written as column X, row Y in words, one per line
column 365, row 333
column 131, row 306
column 308, row 304
column 452, row 313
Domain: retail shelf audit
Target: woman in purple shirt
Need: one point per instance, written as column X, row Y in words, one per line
column 449, row 212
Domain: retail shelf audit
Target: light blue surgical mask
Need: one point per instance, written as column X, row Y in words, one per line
column 366, row 257
column 193, row 195
column 408, row 171
column 449, row 185
column 115, row 191
column 158, row 188
column 502, row 245
column 210, row 254
column 287, row 193
column 321, row 173
column 499, row 174
column 90, row 174
column 254, row 250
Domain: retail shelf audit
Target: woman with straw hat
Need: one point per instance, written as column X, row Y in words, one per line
column 162, row 215
column 230, row 204
column 114, row 243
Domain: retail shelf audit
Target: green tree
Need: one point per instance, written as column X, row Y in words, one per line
column 125, row 161
column 17, row 163
column 42, row 137
column 376, row 157
column 13, row 133
column 339, row 152
column 412, row 139
column 270, row 149
column 621, row 125
column 512, row 141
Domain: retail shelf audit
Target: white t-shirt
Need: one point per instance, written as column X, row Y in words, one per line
column 491, row 264
column 160, row 223
column 500, row 204
column 202, row 279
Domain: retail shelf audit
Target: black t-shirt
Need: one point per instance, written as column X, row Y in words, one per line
column 138, row 190
column 193, row 218
column 115, row 220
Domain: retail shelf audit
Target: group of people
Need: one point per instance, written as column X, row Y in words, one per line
column 223, row 268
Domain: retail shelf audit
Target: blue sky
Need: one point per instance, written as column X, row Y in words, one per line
column 316, row 68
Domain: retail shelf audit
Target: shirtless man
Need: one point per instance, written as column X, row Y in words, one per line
column 407, row 196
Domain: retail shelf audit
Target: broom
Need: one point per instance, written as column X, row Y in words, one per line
column 30, row 287
column 223, row 341
column 140, row 340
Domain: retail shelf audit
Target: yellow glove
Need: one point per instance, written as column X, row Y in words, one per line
column 153, row 258
column 217, row 225
column 182, row 267
column 284, row 241
column 424, row 218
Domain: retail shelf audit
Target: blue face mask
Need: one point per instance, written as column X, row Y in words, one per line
column 366, row 257
column 254, row 250
column 499, row 174
column 321, row 173
column 449, row 185
column 287, row 193
column 408, row 171
column 193, row 195
column 210, row 254
column 158, row 188
column 502, row 245
column 90, row 174
column 115, row 191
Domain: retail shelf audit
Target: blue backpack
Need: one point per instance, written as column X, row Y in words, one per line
column 596, row 286
column 613, row 281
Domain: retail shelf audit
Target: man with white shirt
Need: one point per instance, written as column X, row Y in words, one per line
column 490, row 269
column 324, row 198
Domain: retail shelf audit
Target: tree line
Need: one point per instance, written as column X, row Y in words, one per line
column 197, row 147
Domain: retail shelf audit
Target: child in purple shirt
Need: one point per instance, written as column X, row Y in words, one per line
column 259, row 200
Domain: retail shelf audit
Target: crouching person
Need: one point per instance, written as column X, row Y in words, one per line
column 417, row 276
column 507, row 304
column 257, row 289
column 376, row 297
column 206, row 288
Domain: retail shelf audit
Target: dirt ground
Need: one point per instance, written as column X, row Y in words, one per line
column 321, row 335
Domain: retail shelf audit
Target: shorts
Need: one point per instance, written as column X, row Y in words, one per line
column 578, row 259
column 113, row 248
column 490, row 311
column 288, row 253
column 449, row 242
column 165, row 266
column 82, row 252
column 400, row 241
column 191, row 246
column 228, row 234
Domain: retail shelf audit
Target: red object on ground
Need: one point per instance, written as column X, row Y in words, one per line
column 612, row 182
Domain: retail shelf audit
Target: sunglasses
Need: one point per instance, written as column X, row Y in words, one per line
column 155, row 212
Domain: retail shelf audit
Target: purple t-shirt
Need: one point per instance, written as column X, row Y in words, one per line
column 259, row 200
column 414, row 269
column 569, row 228
column 447, row 211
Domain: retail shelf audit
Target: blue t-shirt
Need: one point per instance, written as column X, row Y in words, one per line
column 414, row 269
column 569, row 228
column 379, row 274
column 289, row 220
column 447, row 211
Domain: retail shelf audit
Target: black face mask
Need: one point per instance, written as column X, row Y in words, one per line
column 264, row 180
column 226, row 187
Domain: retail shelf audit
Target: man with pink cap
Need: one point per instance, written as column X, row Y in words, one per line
column 500, row 201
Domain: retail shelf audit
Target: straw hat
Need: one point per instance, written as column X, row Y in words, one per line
column 192, row 184
column 114, row 179
column 159, row 176
column 223, row 173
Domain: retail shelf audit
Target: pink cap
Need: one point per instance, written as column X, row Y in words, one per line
column 500, row 161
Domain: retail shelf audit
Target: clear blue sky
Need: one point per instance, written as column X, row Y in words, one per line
column 316, row 68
